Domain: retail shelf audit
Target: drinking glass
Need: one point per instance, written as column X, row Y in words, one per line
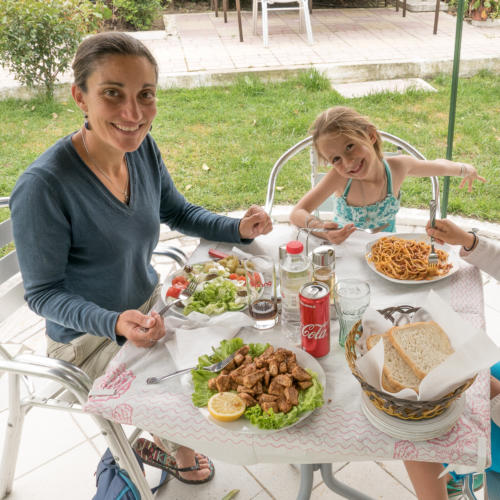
column 352, row 297
column 260, row 275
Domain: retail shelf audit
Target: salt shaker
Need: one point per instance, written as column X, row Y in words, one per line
column 323, row 263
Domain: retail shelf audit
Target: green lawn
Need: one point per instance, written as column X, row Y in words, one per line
column 240, row 131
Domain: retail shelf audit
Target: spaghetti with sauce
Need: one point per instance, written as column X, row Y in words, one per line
column 407, row 259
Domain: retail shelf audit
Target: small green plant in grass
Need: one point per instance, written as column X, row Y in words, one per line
column 314, row 81
column 250, row 86
column 38, row 38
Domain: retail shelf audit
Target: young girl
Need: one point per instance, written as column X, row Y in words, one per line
column 366, row 187
column 424, row 475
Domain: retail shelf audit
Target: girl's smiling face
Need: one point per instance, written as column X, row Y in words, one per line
column 352, row 158
column 120, row 101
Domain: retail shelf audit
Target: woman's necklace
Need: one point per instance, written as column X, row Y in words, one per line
column 123, row 192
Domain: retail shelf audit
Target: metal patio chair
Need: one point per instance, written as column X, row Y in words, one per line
column 39, row 381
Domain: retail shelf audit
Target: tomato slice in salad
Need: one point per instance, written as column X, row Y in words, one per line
column 180, row 280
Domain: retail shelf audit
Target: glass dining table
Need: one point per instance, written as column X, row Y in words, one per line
column 339, row 430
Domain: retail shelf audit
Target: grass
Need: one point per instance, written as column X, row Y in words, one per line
column 238, row 132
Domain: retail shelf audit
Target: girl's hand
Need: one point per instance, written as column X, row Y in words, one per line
column 336, row 235
column 254, row 223
column 469, row 174
column 140, row 329
column 448, row 232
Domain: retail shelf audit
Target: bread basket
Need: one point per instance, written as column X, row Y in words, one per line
column 396, row 407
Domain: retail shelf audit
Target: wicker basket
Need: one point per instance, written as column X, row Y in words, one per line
column 396, row 407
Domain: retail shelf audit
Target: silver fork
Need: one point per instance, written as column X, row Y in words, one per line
column 433, row 259
column 216, row 367
column 185, row 294
column 370, row 230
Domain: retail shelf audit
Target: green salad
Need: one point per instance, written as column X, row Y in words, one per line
column 222, row 287
column 308, row 399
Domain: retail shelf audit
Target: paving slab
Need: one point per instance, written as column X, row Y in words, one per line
column 350, row 45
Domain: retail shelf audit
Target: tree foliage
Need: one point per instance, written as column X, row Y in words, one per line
column 38, row 38
column 139, row 13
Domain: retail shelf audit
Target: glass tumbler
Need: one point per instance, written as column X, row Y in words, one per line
column 260, row 274
column 352, row 297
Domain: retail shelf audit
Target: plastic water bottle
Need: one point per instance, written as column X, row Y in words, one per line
column 295, row 270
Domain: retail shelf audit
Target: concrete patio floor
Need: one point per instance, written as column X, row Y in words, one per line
column 350, row 45
column 59, row 452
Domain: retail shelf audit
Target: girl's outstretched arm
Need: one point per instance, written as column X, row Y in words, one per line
column 441, row 167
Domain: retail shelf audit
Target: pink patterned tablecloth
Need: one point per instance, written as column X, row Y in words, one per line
column 336, row 432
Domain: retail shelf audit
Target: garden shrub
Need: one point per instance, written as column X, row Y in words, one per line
column 38, row 38
column 139, row 13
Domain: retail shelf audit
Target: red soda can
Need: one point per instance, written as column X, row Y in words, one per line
column 314, row 299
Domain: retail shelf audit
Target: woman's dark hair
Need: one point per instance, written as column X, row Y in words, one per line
column 96, row 47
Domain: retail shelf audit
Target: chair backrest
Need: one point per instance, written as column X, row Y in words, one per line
column 11, row 286
column 398, row 144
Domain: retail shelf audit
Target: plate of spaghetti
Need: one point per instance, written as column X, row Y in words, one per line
column 403, row 258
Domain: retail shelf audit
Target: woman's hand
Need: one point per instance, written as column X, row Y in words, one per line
column 446, row 231
column 336, row 235
column 469, row 174
column 140, row 329
column 254, row 223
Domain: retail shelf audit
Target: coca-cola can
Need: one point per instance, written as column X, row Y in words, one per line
column 314, row 299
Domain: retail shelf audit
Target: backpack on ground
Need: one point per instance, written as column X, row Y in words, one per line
column 114, row 483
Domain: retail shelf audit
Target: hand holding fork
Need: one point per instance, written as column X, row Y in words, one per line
column 185, row 294
column 433, row 259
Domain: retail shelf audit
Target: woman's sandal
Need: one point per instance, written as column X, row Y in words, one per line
column 156, row 457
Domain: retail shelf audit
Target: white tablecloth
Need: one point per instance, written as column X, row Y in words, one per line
column 338, row 431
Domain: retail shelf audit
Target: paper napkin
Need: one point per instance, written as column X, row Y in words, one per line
column 197, row 334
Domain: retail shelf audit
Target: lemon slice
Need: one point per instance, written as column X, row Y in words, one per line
column 226, row 406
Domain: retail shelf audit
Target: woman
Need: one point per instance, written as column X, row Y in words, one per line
column 86, row 217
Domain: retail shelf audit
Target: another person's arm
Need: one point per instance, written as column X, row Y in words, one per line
column 195, row 220
column 474, row 249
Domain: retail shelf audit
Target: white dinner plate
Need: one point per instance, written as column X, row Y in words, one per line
column 242, row 425
column 168, row 282
column 453, row 258
column 413, row 430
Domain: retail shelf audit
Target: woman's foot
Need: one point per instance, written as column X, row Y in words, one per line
column 185, row 458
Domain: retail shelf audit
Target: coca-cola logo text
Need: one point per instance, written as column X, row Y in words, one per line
column 315, row 331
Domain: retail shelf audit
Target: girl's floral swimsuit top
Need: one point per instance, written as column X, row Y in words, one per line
column 370, row 216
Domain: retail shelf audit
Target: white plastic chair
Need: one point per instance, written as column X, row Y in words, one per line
column 304, row 17
column 327, row 206
column 39, row 381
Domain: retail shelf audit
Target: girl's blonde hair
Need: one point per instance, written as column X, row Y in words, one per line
column 347, row 122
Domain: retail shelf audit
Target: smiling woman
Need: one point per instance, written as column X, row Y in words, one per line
column 86, row 217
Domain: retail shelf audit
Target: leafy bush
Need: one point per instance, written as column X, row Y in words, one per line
column 38, row 38
column 139, row 13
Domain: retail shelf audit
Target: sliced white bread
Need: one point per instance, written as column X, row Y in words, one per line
column 422, row 345
column 396, row 374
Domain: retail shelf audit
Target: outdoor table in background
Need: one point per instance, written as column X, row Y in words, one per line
column 338, row 431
